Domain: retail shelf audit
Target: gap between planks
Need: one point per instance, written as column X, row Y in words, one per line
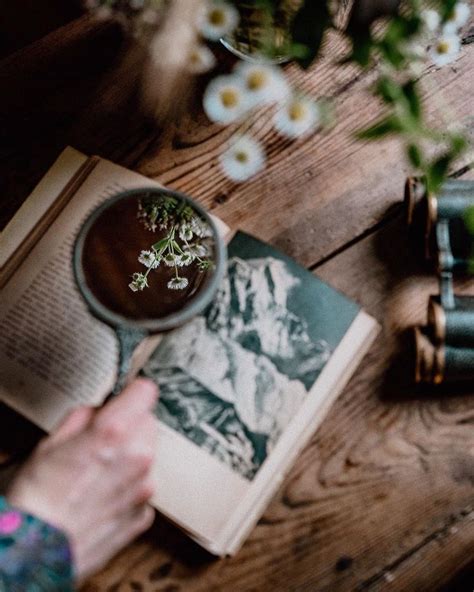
column 392, row 215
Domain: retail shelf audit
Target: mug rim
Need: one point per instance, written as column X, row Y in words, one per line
column 192, row 309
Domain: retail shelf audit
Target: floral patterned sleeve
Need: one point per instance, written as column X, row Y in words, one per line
column 34, row 556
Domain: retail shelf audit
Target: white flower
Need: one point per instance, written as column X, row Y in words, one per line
column 149, row 259
column 458, row 18
column 170, row 260
column 218, row 19
column 298, row 117
column 264, row 84
column 445, row 49
column 430, row 19
column 139, row 282
column 201, row 59
column 178, row 283
column 243, row 159
column 415, row 50
column 197, row 250
column 185, row 232
column 185, row 259
column 225, row 99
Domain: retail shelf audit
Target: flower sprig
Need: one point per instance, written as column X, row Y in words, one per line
column 186, row 241
column 412, row 37
column 395, row 37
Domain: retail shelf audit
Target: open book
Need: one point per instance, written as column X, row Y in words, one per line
column 243, row 387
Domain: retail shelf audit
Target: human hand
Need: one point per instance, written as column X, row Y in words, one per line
column 90, row 478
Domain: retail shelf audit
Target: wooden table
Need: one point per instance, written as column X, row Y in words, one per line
column 383, row 497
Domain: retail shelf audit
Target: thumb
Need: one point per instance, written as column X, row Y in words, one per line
column 73, row 424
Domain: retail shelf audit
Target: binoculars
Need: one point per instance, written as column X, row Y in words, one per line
column 445, row 347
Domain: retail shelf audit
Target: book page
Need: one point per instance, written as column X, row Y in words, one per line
column 244, row 385
column 53, row 354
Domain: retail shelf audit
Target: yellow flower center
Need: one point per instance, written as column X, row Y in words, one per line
column 297, row 111
column 229, row 98
column 217, row 17
column 442, row 47
column 256, row 80
column 241, row 156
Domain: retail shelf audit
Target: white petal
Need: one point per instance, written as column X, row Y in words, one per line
column 218, row 19
column 225, row 99
column 263, row 83
column 445, row 49
column 431, row 19
column 297, row 118
column 244, row 159
column 458, row 19
column 201, row 60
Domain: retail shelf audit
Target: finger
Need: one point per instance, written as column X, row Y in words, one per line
column 76, row 422
column 137, row 399
column 140, row 492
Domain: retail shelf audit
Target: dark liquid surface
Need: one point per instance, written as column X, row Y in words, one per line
column 110, row 258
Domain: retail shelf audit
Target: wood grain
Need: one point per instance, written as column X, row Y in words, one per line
column 383, row 497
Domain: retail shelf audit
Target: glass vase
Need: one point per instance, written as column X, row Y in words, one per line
column 262, row 35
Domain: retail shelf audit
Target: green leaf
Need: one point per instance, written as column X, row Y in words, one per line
column 437, row 172
column 308, row 28
column 160, row 244
column 458, row 143
column 388, row 89
column 415, row 155
column 299, row 51
column 411, row 94
column 384, row 127
column 392, row 53
column 361, row 47
column 469, row 220
column 446, row 8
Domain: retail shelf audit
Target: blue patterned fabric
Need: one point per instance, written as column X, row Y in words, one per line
column 34, row 556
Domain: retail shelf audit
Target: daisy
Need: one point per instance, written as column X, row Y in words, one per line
column 185, row 259
column 243, row 159
column 139, row 282
column 201, row 59
column 264, row 84
column 458, row 18
column 297, row 117
column 225, row 99
column 445, row 49
column 149, row 259
column 430, row 19
column 170, row 260
column 185, row 232
column 218, row 19
column 178, row 283
column 197, row 250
